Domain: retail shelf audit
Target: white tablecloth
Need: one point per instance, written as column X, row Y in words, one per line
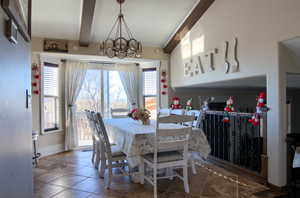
column 135, row 139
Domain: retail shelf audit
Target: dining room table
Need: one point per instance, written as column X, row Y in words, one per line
column 135, row 139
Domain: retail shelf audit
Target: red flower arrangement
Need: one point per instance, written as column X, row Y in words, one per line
column 141, row 114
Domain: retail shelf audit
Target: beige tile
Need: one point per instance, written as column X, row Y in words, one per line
column 106, row 196
column 38, row 172
column 50, row 176
column 90, row 185
column 72, row 194
column 75, row 171
column 48, row 191
column 68, row 180
column 86, row 172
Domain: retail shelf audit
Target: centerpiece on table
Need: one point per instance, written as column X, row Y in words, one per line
column 141, row 114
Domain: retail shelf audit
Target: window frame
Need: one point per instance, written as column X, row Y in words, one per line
column 58, row 99
column 149, row 95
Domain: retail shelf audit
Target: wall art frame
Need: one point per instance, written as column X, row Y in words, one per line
column 20, row 12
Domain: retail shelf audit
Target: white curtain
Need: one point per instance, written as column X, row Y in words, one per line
column 74, row 78
column 130, row 81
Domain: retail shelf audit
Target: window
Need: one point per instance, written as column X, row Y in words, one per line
column 51, row 99
column 150, row 90
column 117, row 95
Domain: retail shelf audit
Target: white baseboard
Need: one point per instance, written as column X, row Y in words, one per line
column 52, row 149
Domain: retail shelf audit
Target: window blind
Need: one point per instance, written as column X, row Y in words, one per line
column 50, row 80
column 150, row 82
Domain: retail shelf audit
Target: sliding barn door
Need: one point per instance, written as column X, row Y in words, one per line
column 15, row 118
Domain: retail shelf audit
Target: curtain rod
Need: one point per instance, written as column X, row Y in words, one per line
column 101, row 62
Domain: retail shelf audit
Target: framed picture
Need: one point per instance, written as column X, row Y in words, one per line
column 20, row 12
column 55, row 45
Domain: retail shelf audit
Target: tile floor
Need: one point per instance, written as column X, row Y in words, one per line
column 72, row 175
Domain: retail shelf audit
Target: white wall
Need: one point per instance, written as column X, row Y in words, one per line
column 51, row 142
column 259, row 26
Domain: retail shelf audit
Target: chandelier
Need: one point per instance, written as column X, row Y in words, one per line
column 119, row 44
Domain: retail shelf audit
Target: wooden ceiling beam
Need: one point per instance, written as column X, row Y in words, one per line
column 187, row 25
column 87, row 16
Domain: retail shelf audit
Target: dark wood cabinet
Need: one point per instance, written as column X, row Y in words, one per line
column 293, row 174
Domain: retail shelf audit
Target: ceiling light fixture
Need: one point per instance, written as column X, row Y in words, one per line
column 116, row 44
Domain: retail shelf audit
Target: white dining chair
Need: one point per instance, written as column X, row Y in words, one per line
column 196, row 113
column 177, row 112
column 193, row 124
column 170, row 151
column 119, row 113
column 164, row 111
column 111, row 155
column 95, row 139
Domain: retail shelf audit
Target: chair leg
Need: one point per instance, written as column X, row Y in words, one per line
column 155, row 182
column 102, row 160
column 94, row 152
column 193, row 166
column 142, row 171
column 109, row 174
column 185, row 179
column 97, row 153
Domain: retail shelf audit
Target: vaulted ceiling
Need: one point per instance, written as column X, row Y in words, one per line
column 151, row 21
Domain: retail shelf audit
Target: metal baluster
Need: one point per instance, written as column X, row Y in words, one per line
column 223, row 138
column 247, row 158
column 216, row 134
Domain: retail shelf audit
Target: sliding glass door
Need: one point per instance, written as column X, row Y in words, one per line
column 101, row 91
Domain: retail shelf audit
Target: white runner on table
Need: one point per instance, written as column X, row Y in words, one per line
column 135, row 139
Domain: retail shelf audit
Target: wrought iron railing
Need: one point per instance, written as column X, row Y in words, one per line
column 238, row 141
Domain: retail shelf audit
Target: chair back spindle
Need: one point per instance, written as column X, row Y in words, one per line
column 119, row 113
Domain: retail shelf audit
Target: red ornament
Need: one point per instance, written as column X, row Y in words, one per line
column 35, row 68
column 163, row 93
column 36, row 92
column 36, row 76
column 34, row 84
column 165, row 86
column 163, row 80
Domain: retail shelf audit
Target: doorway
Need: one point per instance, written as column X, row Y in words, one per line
column 102, row 90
